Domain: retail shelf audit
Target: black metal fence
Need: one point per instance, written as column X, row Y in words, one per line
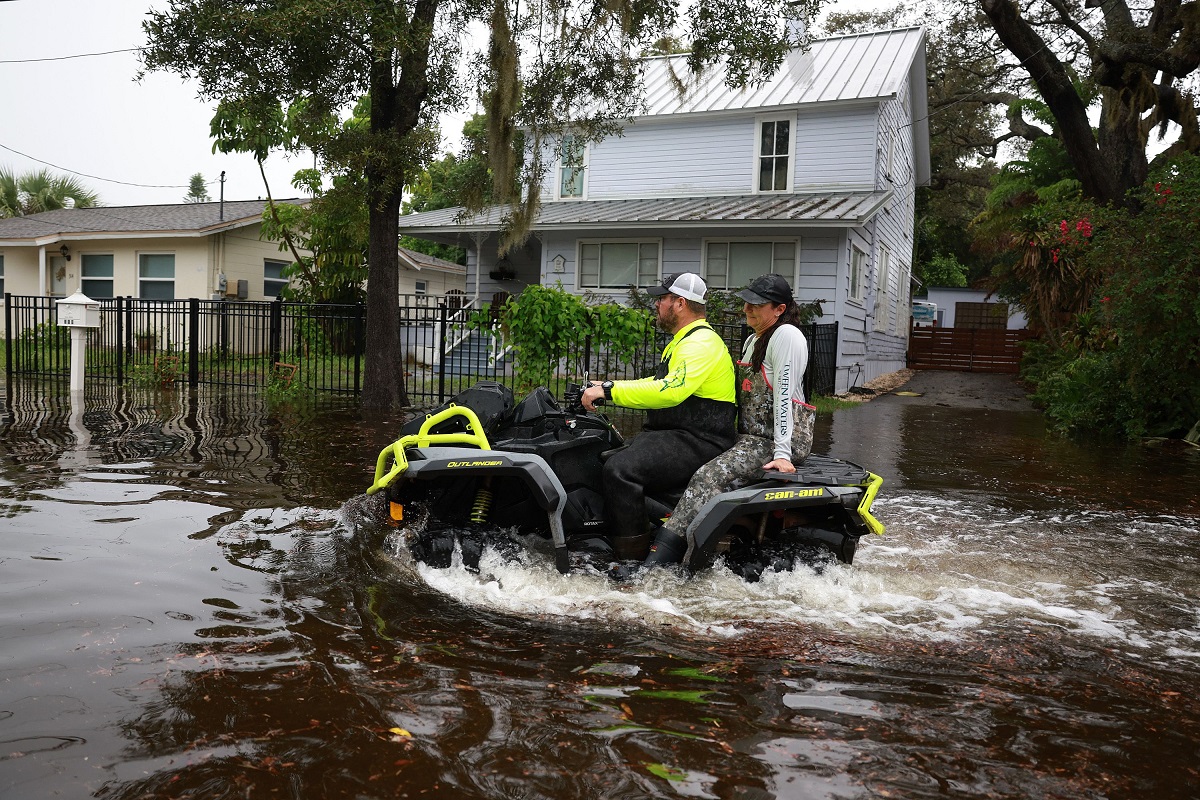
column 315, row 346
column 198, row 342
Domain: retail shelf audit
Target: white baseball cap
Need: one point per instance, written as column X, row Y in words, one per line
column 687, row 285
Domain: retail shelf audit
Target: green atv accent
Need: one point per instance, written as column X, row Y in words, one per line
column 423, row 438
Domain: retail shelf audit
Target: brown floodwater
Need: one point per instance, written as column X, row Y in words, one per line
column 195, row 604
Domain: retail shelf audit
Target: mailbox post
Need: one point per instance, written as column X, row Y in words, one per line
column 78, row 312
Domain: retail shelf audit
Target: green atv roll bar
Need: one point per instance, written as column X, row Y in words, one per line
column 423, row 438
column 864, row 505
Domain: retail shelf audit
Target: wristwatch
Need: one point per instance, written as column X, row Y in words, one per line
column 607, row 387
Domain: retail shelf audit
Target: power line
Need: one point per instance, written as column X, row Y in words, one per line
column 106, row 180
column 67, row 58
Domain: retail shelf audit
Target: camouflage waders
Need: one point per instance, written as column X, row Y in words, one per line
column 755, row 446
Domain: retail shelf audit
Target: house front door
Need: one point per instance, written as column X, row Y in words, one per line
column 58, row 276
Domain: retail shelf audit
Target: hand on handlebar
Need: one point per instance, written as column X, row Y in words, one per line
column 592, row 396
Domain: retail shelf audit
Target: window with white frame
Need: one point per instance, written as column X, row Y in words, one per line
column 858, row 261
column 1, row 275
column 733, row 263
column 97, row 273
column 618, row 264
column 421, row 287
column 882, row 278
column 572, row 166
column 773, row 154
column 274, row 279
column 156, row 276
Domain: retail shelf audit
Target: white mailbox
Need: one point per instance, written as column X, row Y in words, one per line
column 78, row 311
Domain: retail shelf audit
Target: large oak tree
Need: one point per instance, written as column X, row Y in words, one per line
column 1137, row 59
column 280, row 70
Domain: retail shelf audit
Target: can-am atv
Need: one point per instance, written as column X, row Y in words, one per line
column 477, row 470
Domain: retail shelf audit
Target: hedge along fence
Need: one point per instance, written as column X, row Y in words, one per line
column 553, row 338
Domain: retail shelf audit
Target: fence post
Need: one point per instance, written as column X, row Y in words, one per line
column 7, row 338
column 359, row 344
column 587, row 355
column 837, row 338
column 444, row 320
column 223, row 329
column 810, row 368
column 8, row 351
column 275, row 335
column 119, row 336
column 193, row 341
column 128, row 343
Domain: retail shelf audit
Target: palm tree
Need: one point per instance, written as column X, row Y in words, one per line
column 34, row 192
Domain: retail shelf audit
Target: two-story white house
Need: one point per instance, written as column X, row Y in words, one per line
column 811, row 174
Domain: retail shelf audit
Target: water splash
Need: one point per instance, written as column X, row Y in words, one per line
column 948, row 568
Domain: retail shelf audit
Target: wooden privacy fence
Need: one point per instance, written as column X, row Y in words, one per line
column 966, row 349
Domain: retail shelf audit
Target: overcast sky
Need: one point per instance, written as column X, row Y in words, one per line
column 134, row 143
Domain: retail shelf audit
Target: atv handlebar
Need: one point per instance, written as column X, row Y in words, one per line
column 573, row 398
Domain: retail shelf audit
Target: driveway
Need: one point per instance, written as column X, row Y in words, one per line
column 960, row 390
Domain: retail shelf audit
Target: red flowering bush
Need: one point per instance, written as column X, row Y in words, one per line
column 1130, row 363
column 1052, row 279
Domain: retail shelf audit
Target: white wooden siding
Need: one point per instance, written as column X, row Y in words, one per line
column 851, row 314
column 818, row 268
column 887, row 341
column 677, row 158
column 835, row 147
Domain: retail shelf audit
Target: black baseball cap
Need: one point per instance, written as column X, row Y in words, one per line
column 770, row 288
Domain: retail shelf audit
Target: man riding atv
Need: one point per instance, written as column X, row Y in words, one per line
column 691, row 412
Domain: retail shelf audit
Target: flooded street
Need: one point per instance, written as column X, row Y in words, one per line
column 194, row 605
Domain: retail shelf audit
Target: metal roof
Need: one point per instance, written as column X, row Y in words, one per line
column 839, row 209
column 844, row 68
column 177, row 219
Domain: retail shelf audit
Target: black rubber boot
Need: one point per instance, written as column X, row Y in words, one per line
column 668, row 548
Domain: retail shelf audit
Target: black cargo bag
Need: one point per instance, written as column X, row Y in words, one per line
column 492, row 402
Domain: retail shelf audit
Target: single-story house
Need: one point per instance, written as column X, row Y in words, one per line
column 160, row 252
column 429, row 277
column 973, row 308
column 811, row 174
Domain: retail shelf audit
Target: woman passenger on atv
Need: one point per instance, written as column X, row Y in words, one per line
column 775, row 425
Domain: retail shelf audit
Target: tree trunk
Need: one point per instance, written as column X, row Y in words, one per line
column 396, row 100
column 383, row 375
column 1121, row 144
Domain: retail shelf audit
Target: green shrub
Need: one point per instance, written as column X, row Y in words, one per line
column 1130, row 363
column 544, row 322
column 283, row 387
column 47, row 334
column 1072, row 399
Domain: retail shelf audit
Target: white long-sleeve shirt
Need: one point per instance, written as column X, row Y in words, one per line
column 783, row 368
